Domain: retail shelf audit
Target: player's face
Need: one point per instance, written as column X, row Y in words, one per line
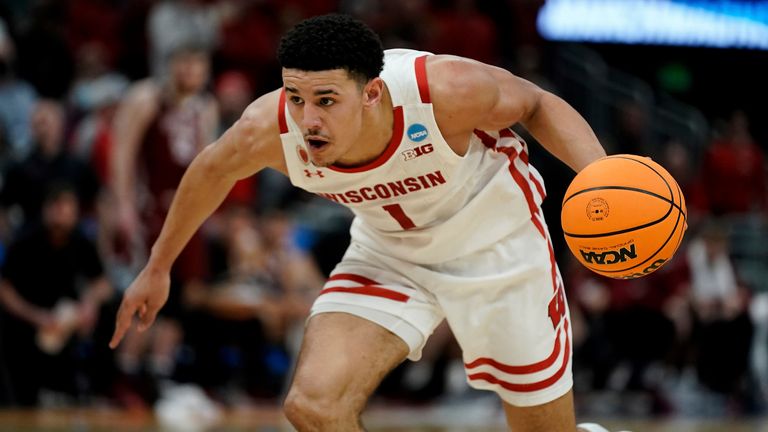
column 190, row 71
column 328, row 106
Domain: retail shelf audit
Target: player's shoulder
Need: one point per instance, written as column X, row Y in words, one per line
column 257, row 131
column 144, row 92
column 141, row 102
column 457, row 78
column 261, row 116
column 462, row 91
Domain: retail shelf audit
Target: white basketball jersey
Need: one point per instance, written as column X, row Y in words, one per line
column 419, row 201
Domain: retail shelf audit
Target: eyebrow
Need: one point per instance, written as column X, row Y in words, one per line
column 317, row 92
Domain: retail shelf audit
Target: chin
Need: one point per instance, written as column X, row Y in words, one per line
column 322, row 163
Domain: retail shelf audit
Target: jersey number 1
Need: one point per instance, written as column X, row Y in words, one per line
column 397, row 212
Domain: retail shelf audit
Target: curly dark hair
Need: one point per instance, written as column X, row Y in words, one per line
column 333, row 41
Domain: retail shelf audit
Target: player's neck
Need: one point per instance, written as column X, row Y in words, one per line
column 376, row 133
column 177, row 96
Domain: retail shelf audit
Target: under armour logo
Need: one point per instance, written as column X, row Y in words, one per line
column 318, row 173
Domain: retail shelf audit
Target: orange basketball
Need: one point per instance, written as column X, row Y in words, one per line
column 623, row 216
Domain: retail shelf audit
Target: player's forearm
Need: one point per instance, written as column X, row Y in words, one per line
column 123, row 164
column 564, row 132
column 202, row 189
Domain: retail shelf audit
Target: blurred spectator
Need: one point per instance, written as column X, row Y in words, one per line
column 733, row 171
column 248, row 43
column 234, row 93
column 241, row 325
column 17, row 99
column 52, row 289
column 45, row 58
column 134, row 39
column 27, row 181
column 173, row 24
column 159, row 128
column 401, row 23
column 461, row 29
column 93, row 99
column 633, row 129
column 627, row 329
column 682, row 165
column 94, row 22
column 723, row 329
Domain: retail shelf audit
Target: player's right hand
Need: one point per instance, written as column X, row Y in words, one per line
column 146, row 295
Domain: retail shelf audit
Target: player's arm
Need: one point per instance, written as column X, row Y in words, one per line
column 492, row 98
column 251, row 144
column 132, row 119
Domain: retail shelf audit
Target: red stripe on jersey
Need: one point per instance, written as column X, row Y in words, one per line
column 421, row 79
column 369, row 290
column 539, row 226
column 511, row 152
column 394, row 143
column 522, row 183
column 281, row 113
column 538, row 185
column 519, row 370
column 486, row 139
column 353, row 277
column 531, row 387
column 507, row 133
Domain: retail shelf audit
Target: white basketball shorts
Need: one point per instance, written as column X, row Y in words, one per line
column 504, row 304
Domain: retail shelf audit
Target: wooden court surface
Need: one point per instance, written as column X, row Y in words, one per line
column 269, row 419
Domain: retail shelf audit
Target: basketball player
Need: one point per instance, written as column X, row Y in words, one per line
column 160, row 126
column 448, row 223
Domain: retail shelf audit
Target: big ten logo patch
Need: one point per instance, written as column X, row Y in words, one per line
column 417, row 151
column 417, row 132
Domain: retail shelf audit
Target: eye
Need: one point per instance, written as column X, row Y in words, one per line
column 326, row 101
column 296, row 100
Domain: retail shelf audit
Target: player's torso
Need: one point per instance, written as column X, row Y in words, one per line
column 171, row 142
column 418, row 200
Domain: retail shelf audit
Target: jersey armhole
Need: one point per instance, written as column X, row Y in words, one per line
column 421, row 79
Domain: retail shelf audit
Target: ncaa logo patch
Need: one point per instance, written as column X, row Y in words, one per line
column 417, row 132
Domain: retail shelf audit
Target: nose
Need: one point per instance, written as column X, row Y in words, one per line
column 311, row 118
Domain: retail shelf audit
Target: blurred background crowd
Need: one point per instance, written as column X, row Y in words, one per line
column 103, row 103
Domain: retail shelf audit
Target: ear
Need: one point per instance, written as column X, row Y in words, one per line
column 373, row 92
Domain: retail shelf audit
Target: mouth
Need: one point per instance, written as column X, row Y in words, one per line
column 315, row 143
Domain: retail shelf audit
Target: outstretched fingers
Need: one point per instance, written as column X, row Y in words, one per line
column 124, row 319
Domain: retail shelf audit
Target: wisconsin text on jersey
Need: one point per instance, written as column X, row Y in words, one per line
column 387, row 190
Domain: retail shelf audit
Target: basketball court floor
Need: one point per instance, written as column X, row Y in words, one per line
column 377, row 419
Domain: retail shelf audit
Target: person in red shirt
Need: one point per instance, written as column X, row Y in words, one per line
column 733, row 175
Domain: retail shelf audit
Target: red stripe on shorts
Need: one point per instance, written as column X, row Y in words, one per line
column 369, row 290
column 519, row 370
column 530, row 387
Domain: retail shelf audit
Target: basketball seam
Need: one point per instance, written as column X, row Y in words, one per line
column 671, row 194
column 629, row 188
column 632, row 228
